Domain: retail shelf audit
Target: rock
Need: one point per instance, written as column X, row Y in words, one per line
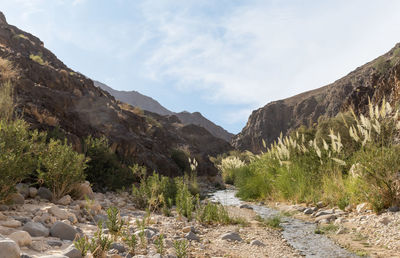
column 6, row 230
column 362, row 207
column 188, row 229
column 320, row 204
column 54, row 256
column 23, row 189
column 45, row 193
column 9, row 249
column 23, row 220
column 257, row 243
column 24, row 255
column 300, row 208
column 339, row 221
column 385, row 220
column 119, row 247
column 3, row 207
column 394, row 209
column 156, row 256
column 66, row 200
column 321, row 213
column 72, row 218
column 328, row 217
column 11, row 223
column 36, row 229
column 2, row 216
column 232, row 236
column 245, row 206
column 22, row 238
column 308, row 211
column 84, row 190
column 192, row 236
column 53, row 243
column 32, row 192
column 72, row 252
column 59, row 213
column 95, row 208
column 17, row 198
column 63, row 231
column 147, row 232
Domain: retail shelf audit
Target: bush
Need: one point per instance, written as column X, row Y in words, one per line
column 211, row 213
column 154, row 192
column 185, row 201
column 61, row 168
column 104, row 170
column 19, row 150
column 181, row 158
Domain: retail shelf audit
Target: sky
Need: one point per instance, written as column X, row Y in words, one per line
column 223, row 58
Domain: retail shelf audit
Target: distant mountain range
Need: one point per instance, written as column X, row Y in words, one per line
column 144, row 102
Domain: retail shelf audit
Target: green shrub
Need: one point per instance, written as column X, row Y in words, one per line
column 159, row 243
column 272, row 222
column 114, row 222
column 100, row 243
column 131, row 241
column 19, row 150
column 181, row 158
column 212, row 213
column 181, row 248
column 154, row 192
column 61, row 168
column 185, row 201
column 104, row 169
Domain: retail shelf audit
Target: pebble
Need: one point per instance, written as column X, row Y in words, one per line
column 45, row 193
column 32, row 192
column 59, row 213
column 11, row 223
column 192, row 236
column 66, row 200
column 257, row 243
column 232, row 236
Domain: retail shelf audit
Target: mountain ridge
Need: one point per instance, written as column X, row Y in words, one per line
column 144, row 102
column 375, row 80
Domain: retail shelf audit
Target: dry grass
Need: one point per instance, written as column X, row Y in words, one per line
column 7, row 70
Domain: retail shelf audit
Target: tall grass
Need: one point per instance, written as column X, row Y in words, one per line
column 346, row 159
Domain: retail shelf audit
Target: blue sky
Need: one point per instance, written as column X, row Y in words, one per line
column 223, row 58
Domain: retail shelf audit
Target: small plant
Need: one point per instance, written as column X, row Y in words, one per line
column 141, row 224
column 185, row 201
column 181, row 248
column 272, row 222
column 114, row 222
column 159, row 242
column 211, row 213
column 131, row 241
column 326, row 229
column 82, row 244
column 100, row 243
column 38, row 59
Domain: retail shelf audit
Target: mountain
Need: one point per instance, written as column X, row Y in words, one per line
column 49, row 96
column 136, row 99
column 375, row 80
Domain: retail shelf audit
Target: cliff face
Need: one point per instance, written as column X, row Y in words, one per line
column 50, row 95
column 376, row 80
column 137, row 99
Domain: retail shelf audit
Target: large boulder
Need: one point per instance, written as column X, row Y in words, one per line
column 9, row 249
column 63, row 231
column 36, row 229
column 22, row 238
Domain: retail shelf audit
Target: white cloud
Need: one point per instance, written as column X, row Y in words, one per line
column 266, row 50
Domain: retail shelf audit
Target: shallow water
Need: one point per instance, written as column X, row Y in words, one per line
column 299, row 234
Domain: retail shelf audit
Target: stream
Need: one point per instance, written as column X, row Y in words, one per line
column 299, row 234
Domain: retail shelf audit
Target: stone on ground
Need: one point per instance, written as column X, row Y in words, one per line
column 22, row 238
column 232, row 236
column 36, row 229
column 63, row 231
column 9, row 249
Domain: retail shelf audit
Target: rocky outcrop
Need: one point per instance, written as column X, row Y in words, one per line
column 376, row 80
column 50, row 95
column 136, row 99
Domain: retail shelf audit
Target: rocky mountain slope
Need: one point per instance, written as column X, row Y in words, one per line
column 136, row 99
column 49, row 95
column 376, row 80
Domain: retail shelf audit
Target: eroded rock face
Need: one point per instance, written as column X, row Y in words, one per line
column 50, row 95
column 376, row 80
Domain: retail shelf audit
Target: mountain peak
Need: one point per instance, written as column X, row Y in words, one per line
column 3, row 18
